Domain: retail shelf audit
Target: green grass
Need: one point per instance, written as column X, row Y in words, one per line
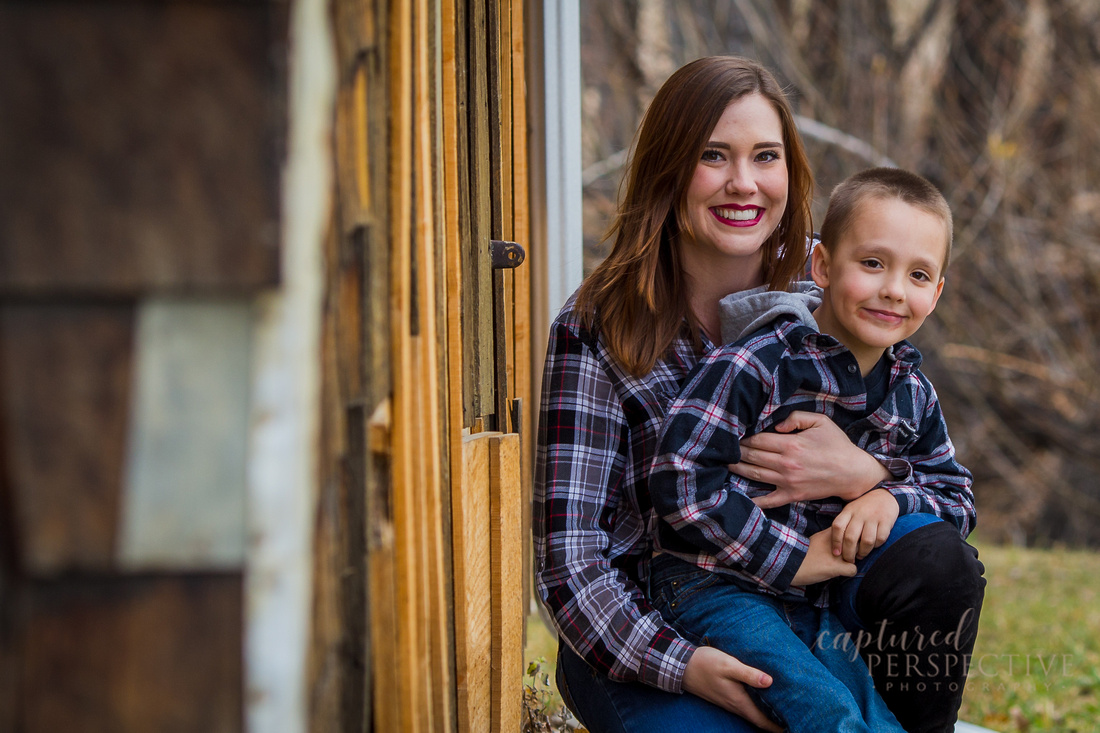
column 1036, row 664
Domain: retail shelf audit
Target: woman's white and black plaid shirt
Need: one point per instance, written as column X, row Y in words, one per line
column 593, row 520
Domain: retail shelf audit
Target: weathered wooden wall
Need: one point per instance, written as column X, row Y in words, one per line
column 418, row 593
column 142, row 283
column 139, row 156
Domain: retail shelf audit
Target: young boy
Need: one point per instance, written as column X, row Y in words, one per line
column 751, row 581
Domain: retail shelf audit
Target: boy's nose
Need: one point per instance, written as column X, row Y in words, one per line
column 893, row 287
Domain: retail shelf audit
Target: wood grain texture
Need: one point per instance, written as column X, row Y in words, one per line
column 412, row 663
column 473, row 586
column 66, row 374
column 148, row 653
column 477, row 304
column 436, row 558
column 154, row 128
column 524, row 351
column 506, row 538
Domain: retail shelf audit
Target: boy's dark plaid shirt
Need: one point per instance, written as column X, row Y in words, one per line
column 709, row 518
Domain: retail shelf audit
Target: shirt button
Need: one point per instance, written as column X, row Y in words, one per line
column 852, row 368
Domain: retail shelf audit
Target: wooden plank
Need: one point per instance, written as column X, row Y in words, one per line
column 452, row 250
column 478, row 285
column 507, row 204
column 525, row 353
column 413, row 669
column 457, row 24
column 473, row 586
column 338, row 645
column 502, row 21
column 448, row 336
column 374, row 237
column 66, row 377
column 147, row 653
column 432, row 420
column 496, row 118
column 154, row 127
column 437, row 624
column 506, row 537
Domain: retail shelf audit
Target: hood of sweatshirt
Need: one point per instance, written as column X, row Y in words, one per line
column 750, row 310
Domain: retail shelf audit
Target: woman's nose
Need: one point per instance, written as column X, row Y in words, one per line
column 740, row 180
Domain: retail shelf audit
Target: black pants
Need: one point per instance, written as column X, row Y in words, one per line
column 920, row 604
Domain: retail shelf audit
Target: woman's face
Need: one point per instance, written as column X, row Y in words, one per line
column 738, row 192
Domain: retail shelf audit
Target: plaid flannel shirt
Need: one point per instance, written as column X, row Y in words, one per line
column 593, row 520
column 708, row 517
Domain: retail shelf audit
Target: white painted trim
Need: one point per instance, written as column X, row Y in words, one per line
column 554, row 111
column 562, row 77
column 283, row 445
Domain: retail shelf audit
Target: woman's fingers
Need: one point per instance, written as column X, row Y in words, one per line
column 720, row 678
column 778, row 497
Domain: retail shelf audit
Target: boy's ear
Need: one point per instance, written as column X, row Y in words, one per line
column 939, row 291
column 819, row 266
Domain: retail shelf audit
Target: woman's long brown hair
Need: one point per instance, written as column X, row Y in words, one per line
column 637, row 296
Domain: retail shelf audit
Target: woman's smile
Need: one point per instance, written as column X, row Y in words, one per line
column 738, row 216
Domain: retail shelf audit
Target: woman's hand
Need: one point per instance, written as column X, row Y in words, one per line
column 719, row 678
column 807, row 458
column 864, row 524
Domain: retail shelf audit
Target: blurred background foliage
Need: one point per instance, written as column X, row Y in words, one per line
column 996, row 102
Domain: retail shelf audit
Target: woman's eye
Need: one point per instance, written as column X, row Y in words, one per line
column 768, row 156
column 712, row 156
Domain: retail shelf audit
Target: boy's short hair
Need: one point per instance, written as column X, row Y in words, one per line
column 895, row 183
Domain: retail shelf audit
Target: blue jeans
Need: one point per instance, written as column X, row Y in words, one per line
column 927, row 579
column 605, row 706
column 817, row 684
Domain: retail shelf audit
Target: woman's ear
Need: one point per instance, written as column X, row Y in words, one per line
column 819, row 266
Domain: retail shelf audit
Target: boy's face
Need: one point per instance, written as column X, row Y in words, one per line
column 882, row 278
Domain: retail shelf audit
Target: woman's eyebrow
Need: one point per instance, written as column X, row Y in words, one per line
column 726, row 146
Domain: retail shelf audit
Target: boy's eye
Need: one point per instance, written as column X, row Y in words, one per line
column 874, row 264
column 921, row 276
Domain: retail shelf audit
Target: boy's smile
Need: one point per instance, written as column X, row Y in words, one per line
column 882, row 279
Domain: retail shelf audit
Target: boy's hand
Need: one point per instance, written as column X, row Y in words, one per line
column 864, row 524
column 820, row 563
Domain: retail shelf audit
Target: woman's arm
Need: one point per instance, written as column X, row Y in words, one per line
column 808, row 458
column 581, row 461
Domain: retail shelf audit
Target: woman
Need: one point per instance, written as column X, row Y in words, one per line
column 717, row 200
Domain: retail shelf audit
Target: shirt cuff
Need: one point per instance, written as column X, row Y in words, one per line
column 900, row 469
column 665, row 661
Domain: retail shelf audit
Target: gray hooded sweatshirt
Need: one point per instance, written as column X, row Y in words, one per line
column 750, row 310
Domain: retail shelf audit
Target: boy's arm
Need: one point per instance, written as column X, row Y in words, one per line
column 937, row 483
column 691, row 486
